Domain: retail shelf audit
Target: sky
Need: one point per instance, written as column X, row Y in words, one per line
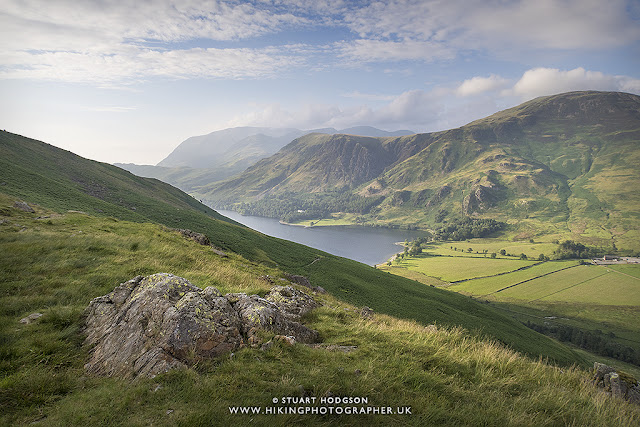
column 127, row 81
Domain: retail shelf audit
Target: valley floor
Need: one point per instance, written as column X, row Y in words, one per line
column 599, row 302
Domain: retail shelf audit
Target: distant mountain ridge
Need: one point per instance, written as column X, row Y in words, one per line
column 248, row 144
column 204, row 159
column 566, row 164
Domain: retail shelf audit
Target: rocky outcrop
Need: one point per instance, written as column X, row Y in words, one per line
column 304, row 281
column 616, row 383
column 150, row 325
column 201, row 239
column 30, row 318
column 23, row 206
column 481, row 198
column 278, row 312
column 439, row 197
column 197, row 237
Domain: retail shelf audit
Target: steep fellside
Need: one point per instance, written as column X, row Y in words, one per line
column 314, row 162
column 564, row 165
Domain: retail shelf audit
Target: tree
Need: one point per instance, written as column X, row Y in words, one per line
column 493, row 254
column 523, row 256
column 503, row 252
column 415, row 250
column 470, row 250
column 542, row 257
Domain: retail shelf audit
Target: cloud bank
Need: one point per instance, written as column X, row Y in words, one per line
column 92, row 41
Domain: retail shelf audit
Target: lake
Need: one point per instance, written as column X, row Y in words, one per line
column 364, row 244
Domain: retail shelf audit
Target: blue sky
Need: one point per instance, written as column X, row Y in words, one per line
column 123, row 81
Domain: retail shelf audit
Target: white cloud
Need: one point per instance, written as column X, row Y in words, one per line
column 554, row 24
column 365, row 50
column 419, row 29
column 547, row 81
column 107, row 40
column 132, row 64
column 368, row 96
column 162, row 20
column 416, row 109
column 96, row 41
column 111, row 109
column 478, row 85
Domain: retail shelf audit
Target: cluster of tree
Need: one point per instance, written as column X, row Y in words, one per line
column 468, row 228
column 292, row 207
column 413, row 249
column 593, row 341
column 570, row 249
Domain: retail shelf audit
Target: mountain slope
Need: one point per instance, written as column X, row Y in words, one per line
column 565, row 164
column 57, row 179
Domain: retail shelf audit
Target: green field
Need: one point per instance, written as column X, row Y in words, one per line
column 489, row 285
column 583, row 284
column 478, row 246
column 593, row 298
column 451, row 269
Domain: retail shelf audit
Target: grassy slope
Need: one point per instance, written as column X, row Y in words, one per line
column 44, row 174
column 55, row 264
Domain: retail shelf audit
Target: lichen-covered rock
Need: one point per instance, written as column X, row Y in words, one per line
column 258, row 313
column 366, row 312
column 149, row 325
column 291, row 301
column 618, row 384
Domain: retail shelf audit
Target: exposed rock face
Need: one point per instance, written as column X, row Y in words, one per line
column 303, row 281
column 616, row 383
column 198, row 237
column 480, row 198
column 440, row 195
column 150, row 325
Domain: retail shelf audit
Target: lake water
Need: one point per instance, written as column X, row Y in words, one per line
column 364, row 244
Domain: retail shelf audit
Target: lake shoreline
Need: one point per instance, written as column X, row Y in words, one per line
column 368, row 245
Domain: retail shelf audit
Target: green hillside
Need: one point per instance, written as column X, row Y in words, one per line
column 563, row 166
column 55, row 263
column 59, row 180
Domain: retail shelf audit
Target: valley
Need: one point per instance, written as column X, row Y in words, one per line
column 562, row 167
column 486, row 329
